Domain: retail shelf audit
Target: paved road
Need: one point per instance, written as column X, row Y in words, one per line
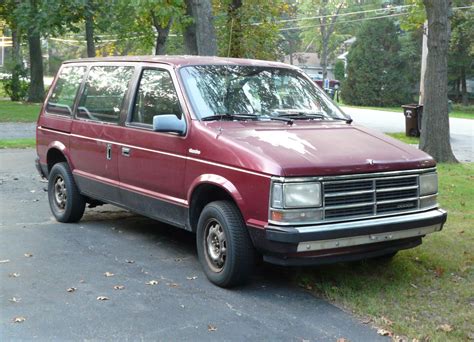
column 16, row 130
column 462, row 130
column 136, row 250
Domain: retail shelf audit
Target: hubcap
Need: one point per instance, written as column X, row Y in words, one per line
column 60, row 192
column 215, row 245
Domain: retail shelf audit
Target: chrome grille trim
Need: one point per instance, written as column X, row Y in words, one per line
column 390, row 194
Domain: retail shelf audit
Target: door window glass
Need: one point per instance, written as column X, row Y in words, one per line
column 156, row 96
column 64, row 93
column 104, row 93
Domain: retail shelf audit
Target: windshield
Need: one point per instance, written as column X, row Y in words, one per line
column 216, row 90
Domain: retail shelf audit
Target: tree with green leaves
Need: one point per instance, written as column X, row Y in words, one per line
column 249, row 27
column 327, row 13
column 461, row 49
column 7, row 10
column 375, row 74
column 37, row 19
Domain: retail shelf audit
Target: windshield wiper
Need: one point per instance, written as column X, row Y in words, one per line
column 241, row 116
column 309, row 115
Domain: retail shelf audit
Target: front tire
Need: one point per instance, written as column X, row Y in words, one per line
column 65, row 200
column 224, row 247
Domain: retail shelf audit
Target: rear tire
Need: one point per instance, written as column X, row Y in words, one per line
column 224, row 247
column 65, row 200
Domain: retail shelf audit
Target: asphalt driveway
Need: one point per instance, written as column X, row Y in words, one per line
column 147, row 272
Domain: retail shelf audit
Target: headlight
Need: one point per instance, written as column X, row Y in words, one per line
column 428, row 184
column 296, row 195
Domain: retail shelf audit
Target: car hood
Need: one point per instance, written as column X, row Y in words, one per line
column 309, row 149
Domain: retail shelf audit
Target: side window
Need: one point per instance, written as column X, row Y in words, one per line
column 64, row 93
column 156, row 95
column 104, row 93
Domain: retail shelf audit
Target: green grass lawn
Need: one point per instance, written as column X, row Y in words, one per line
column 424, row 293
column 18, row 111
column 402, row 137
column 17, row 143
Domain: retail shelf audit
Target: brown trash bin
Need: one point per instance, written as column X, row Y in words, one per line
column 413, row 113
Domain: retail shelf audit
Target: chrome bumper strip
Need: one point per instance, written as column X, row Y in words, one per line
column 366, row 239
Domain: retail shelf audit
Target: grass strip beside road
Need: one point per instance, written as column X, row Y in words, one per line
column 402, row 137
column 18, row 111
column 17, row 143
column 424, row 293
column 458, row 111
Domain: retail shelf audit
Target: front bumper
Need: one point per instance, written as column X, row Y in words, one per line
column 343, row 241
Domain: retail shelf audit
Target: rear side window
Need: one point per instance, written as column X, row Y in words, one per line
column 156, row 96
column 104, row 93
column 65, row 91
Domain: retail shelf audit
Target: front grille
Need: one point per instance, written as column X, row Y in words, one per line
column 368, row 197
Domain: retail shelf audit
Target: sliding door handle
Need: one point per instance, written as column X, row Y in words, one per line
column 108, row 153
column 126, row 151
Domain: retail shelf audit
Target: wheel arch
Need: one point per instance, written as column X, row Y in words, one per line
column 209, row 188
column 57, row 153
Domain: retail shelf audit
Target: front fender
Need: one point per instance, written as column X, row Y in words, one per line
column 220, row 182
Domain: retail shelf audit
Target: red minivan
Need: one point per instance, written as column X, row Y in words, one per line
column 250, row 155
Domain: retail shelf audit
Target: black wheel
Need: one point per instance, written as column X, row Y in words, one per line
column 224, row 246
column 66, row 203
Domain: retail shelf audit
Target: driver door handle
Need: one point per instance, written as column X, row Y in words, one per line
column 126, row 151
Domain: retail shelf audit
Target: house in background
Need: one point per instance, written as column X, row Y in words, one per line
column 310, row 63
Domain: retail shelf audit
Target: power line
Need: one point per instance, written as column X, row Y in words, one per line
column 363, row 19
column 340, row 14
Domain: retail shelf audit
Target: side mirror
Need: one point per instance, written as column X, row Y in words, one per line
column 169, row 123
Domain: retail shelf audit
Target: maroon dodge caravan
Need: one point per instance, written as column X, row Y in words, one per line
column 250, row 155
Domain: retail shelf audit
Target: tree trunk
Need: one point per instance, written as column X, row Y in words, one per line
column 89, row 30
column 464, row 94
column 36, row 91
column 161, row 38
column 17, row 65
column 190, row 42
column 235, row 29
column 324, row 59
column 435, row 122
column 205, row 32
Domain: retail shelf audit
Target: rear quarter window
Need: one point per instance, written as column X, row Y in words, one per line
column 104, row 93
column 65, row 90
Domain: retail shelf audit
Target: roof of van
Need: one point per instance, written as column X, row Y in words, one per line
column 184, row 60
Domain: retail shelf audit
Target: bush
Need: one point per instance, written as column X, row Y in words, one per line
column 339, row 72
column 23, row 86
column 375, row 71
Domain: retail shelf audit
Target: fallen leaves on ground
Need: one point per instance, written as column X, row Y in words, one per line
column 191, row 278
column 4, row 261
column 173, row 285
column 439, row 271
column 342, row 339
column 445, row 327
column 102, row 298
column 152, row 282
column 119, row 287
column 384, row 332
column 400, row 339
column 211, row 327
column 71, row 289
column 19, row 319
column 28, row 255
column 386, row 321
column 109, row 274
column 130, row 261
column 14, row 300
column 367, row 320
column 14, row 275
